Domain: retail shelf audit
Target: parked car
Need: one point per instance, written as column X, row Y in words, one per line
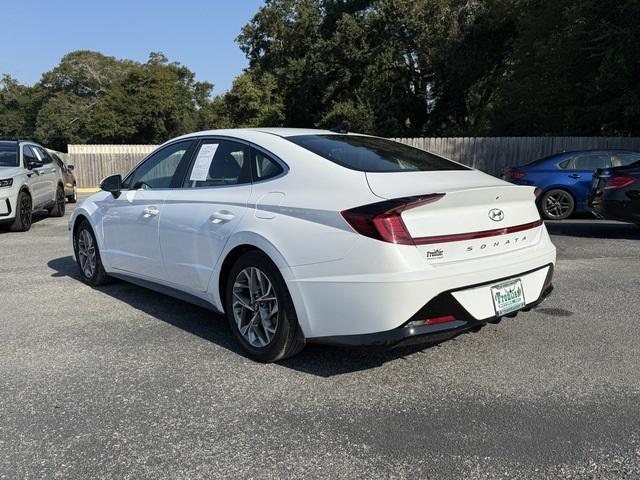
column 616, row 193
column 306, row 236
column 29, row 181
column 565, row 179
column 69, row 179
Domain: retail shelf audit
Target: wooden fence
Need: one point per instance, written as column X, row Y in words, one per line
column 493, row 154
column 95, row 162
column 490, row 154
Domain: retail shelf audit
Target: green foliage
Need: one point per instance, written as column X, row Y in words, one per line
column 253, row 101
column 386, row 67
column 453, row 67
column 92, row 98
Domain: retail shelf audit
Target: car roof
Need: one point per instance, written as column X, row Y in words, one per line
column 278, row 131
column 593, row 150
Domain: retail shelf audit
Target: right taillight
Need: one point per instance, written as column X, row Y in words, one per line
column 619, row 182
column 383, row 220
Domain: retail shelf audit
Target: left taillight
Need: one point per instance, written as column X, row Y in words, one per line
column 619, row 182
column 383, row 220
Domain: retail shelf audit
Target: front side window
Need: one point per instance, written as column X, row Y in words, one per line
column 8, row 154
column 592, row 161
column 28, row 155
column 158, row 170
column 264, row 167
column 372, row 154
column 219, row 163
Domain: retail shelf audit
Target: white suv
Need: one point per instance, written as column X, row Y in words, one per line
column 29, row 181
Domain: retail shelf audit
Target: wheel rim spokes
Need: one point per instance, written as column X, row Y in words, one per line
column 86, row 253
column 255, row 307
column 558, row 205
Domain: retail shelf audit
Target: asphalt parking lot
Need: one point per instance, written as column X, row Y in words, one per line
column 121, row 382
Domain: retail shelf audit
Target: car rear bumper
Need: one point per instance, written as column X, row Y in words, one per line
column 445, row 304
column 614, row 210
column 335, row 303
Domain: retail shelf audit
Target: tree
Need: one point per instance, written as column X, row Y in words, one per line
column 18, row 108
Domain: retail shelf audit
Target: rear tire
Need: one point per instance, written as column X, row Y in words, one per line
column 58, row 208
column 24, row 212
column 254, row 290
column 88, row 256
column 557, row 204
column 73, row 198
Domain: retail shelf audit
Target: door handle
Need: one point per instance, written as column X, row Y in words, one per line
column 222, row 216
column 149, row 212
column 575, row 175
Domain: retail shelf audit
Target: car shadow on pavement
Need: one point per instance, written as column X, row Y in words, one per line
column 594, row 229
column 320, row 360
column 36, row 218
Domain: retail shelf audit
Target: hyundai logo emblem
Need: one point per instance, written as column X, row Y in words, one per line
column 496, row 215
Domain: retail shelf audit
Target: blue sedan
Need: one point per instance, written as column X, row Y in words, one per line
column 565, row 179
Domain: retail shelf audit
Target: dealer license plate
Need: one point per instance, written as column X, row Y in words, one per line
column 508, row 297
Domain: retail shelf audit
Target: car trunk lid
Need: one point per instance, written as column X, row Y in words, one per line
column 477, row 216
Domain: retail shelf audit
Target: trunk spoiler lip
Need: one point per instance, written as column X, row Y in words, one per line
column 458, row 237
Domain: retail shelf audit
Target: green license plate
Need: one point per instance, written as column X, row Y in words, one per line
column 508, row 297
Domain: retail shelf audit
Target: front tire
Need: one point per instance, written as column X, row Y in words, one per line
column 58, row 208
column 24, row 212
column 88, row 256
column 557, row 204
column 260, row 311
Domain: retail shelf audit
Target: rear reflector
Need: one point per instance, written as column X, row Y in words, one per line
column 383, row 220
column 434, row 321
column 619, row 182
column 458, row 237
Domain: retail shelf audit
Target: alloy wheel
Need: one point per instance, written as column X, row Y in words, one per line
column 558, row 204
column 86, row 253
column 25, row 211
column 255, row 307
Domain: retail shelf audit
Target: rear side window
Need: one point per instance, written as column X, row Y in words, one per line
column 8, row 154
column 626, row 158
column 264, row 167
column 43, row 154
column 592, row 161
column 219, row 163
column 371, row 154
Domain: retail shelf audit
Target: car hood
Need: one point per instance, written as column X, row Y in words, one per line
column 8, row 172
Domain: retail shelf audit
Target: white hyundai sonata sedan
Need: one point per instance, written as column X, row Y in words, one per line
column 314, row 236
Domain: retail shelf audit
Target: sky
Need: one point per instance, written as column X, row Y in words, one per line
column 199, row 34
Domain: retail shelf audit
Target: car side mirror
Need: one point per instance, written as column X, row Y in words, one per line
column 31, row 164
column 112, row 184
column 70, row 168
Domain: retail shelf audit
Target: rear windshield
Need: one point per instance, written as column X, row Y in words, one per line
column 372, row 154
column 8, row 154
